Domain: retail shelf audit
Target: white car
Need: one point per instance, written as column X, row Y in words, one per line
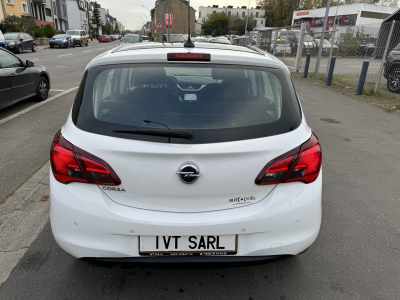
column 176, row 155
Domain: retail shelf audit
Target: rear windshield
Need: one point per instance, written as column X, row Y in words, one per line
column 131, row 39
column 11, row 36
column 60, row 36
column 218, row 103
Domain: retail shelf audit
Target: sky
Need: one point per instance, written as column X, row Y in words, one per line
column 129, row 11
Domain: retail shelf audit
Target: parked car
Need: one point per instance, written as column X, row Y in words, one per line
column 293, row 36
column 175, row 38
column 327, row 46
column 104, row 39
column 20, row 80
column 200, row 39
column 18, row 42
column 131, row 39
column 80, row 37
column 243, row 41
column 2, row 41
column 145, row 39
column 392, row 70
column 368, row 46
column 185, row 155
column 61, row 41
column 219, row 40
column 284, row 46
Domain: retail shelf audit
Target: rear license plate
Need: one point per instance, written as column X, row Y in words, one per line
column 188, row 245
column 57, row 46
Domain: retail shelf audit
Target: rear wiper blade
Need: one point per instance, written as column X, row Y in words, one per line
column 180, row 134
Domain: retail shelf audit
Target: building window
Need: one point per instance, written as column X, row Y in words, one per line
column 24, row 8
column 256, row 14
column 199, row 14
column 262, row 21
column 243, row 14
column 229, row 14
column 11, row 2
column 54, row 8
column 48, row 12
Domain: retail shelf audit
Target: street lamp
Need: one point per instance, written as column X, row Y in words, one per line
column 146, row 7
column 145, row 17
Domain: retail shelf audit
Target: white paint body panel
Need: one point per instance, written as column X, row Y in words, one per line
column 88, row 221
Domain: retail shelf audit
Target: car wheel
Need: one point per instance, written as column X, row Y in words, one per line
column 80, row 44
column 42, row 90
column 87, row 43
column 19, row 51
column 34, row 48
column 393, row 84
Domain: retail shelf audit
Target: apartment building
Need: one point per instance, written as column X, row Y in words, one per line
column 77, row 14
column 60, row 15
column 18, row 8
column 41, row 11
column 256, row 13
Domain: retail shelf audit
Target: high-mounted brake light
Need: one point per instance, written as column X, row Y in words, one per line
column 300, row 164
column 189, row 57
column 72, row 164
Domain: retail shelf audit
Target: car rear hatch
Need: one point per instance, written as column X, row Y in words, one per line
column 241, row 118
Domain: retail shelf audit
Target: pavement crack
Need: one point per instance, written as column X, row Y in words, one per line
column 11, row 251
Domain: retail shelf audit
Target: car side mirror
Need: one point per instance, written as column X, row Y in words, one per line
column 21, row 40
column 29, row 64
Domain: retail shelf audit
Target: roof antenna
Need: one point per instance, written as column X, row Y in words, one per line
column 189, row 43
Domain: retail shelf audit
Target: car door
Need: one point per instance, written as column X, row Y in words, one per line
column 23, row 41
column 22, row 78
column 28, row 41
column 5, row 87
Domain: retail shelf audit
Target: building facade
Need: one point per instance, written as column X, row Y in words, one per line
column 346, row 15
column 77, row 14
column 180, row 11
column 256, row 13
column 60, row 15
column 41, row 11
column 1, row 11
column 19, row 8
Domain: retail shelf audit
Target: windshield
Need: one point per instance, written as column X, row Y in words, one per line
column 216, row 102
column 11, row 36
column 60, row 36
column 131, row 39
column 72, row 32
column 145, row 38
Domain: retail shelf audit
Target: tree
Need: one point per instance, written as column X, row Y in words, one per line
column 239, row 25
column 96, row 20
column 17, row 24
column 217, row 24
column 351, row 41
column 107, row 29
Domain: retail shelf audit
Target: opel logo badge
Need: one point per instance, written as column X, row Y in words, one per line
column 189, row 172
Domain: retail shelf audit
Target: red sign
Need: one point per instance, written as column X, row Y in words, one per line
column 302, row 13
column 159, row 26
column 171, row 17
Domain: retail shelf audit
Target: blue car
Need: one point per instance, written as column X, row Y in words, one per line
column 61, row 41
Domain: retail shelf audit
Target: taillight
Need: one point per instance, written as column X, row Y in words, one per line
column 300, row 164
column 188, row 57
column 72, row 164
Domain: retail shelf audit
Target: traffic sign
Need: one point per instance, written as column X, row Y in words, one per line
column 159, row 26
column 171, row 17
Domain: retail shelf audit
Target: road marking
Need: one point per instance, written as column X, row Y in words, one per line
column 87, row 51
column 34, row 59
column 101, row 48
column 64, row 55
column 57, row 90
column 62, row 66
column 36, row 105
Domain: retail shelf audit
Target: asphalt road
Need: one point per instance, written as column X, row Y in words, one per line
column 356, row 255
column 25, row 140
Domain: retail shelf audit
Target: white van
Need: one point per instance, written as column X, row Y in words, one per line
column 79, row 37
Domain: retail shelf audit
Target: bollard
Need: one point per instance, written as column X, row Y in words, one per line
column 307, row 65
column 363, row 75
column 330, row 73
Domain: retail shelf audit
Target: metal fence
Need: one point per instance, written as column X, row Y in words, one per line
column 351, row 45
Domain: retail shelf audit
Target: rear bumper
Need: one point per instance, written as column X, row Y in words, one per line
column 87, row 224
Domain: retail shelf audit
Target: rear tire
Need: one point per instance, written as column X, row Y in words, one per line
column 34, row 48
column 42, row 89
column 87, row 43
column 80, row 44
column 2, row 46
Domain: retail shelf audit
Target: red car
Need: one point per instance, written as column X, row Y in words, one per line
column 104, row 38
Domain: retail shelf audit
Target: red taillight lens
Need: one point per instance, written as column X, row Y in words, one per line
column 72, row 164
column 300, row 164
